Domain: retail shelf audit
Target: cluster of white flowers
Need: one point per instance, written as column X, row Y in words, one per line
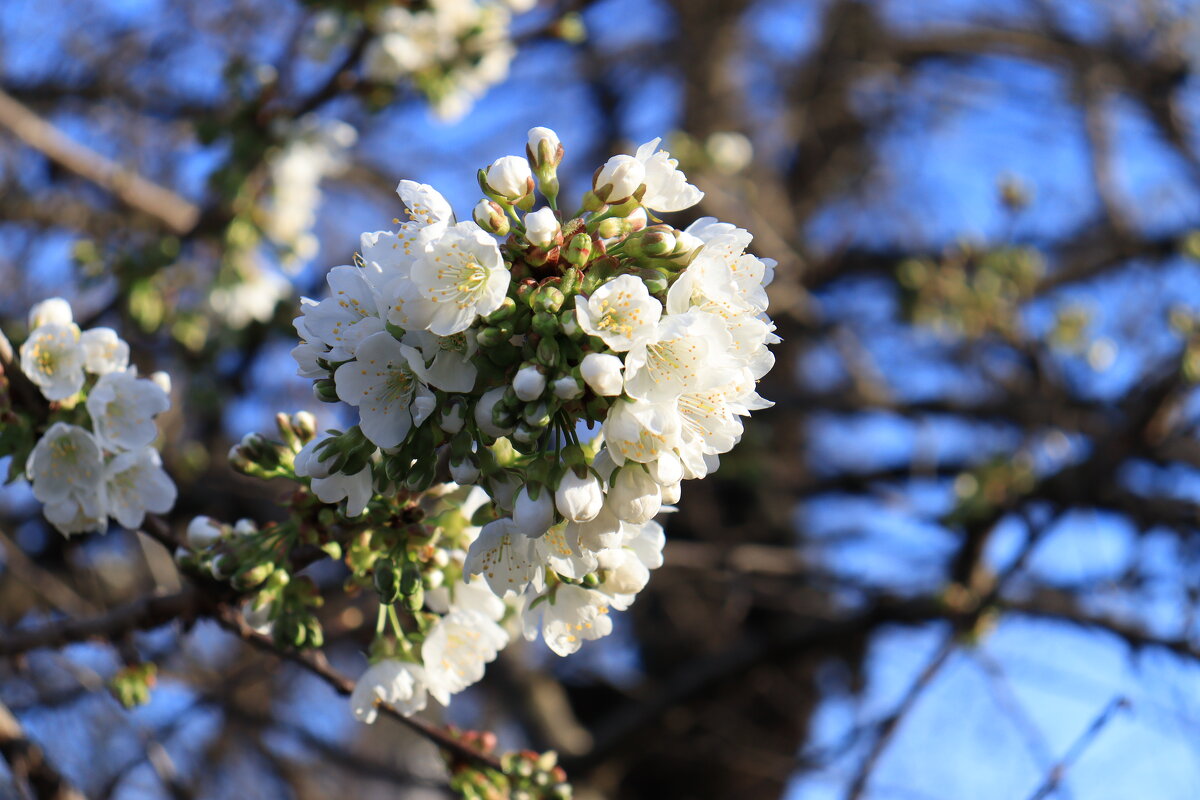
column 452, row 50
column 98, row 460
column 498, row 354
column 313, row 150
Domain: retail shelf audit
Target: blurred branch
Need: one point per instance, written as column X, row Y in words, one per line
column 27, row 762
column 126, row 185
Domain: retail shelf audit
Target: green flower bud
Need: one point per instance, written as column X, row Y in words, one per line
column 545, row 323
column 548, row 298
column 506, row 309
column 386, row 583
column 325, row 390
column 579, row 249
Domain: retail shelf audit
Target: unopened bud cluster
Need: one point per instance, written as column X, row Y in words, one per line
column 485, row 351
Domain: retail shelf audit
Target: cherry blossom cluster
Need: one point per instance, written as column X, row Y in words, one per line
column 574, row 368
column 452, row 50
column 97, row 457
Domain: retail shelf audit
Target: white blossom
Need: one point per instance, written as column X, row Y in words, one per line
column 135, row 483
column 456, row 650
column 460, row 275
column 53, row 358
column 203, row 532
column 66, row 469
column 621, row 312
column 123, row 408
column 104, row 351
column 399, row 684
column 386, row 384
column 503, row 556
column 667, row 188
column 576, row 615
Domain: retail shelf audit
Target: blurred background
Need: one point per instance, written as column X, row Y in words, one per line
column 960, row 557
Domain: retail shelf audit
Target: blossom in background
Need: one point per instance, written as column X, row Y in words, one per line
column 84, row 475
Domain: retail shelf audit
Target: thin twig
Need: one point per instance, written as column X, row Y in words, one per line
column 1059, row 771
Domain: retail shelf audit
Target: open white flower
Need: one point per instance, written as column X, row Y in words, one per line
column 621, row 312
column 349, row 315
column 386, row 383
column 667, row 188
column 123, row 407
column 576, row 615
column 456, row 650
column 639, row 431
column 460, row 275
column 135, row 483
column 504, row 556
column 685, row 351
column 66, row 469
column 52, row 358
column 400, row 684
column 104, row 351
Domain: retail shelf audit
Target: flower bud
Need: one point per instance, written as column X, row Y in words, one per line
column 666, row 469
column 548, row 298
column 510, row 178
column 536, row 415
column 484, row 410
column 54, row 311
column 325, row 390
column 568, row 388
column 633, row 495
column 491, row 217
column 545, row 324
column 624, row 573
column 464, row 472
column 503, row 487
column 579, row 250
column 529, row 383
column 619, row 178
column 654, row 243
column 453, row 417
column 162, row 380
column 202, row 532
column 602, row 372
column 686, row 247
column 543, row 148
column 542, row 228
column 533, row 516
column 508, row 306
column 526, row 433
column 579, row 499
